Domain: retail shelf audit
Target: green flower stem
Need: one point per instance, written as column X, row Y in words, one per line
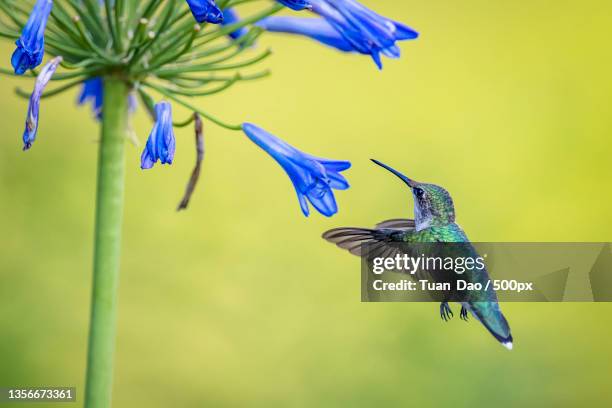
column 208, row 116
column 109, row 213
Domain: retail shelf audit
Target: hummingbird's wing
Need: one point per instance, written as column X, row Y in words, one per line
column 379, row 242
column 379, row 239
column 384, row 243
column 397, row 223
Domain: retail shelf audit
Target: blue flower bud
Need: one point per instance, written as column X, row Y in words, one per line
column 93, row 90
column 161, row 143
column 31, row 123
column 206, row 11
column 31, row 45
column 314, row 178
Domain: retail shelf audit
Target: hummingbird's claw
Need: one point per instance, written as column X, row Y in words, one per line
column 464, row 314
column 445, row 311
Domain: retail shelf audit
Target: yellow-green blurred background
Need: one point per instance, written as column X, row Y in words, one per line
column 239, row 303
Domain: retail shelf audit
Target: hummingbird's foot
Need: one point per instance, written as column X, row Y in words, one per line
column 445, row 311
column 464, row 313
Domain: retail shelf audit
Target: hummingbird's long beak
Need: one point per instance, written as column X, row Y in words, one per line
column 411, row 183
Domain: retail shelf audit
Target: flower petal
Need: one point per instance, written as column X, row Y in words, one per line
column 296, row 5
column 316, row 28
column 322, row 198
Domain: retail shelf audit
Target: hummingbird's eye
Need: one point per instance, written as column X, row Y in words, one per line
column 419, row 192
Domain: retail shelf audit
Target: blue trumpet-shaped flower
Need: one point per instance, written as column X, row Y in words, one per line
column 296, row 4
column 368, row 32
column 230, row 17
column 93, row 91
column 363, row 30
column 31, row 45
column 206, row 11
column 161, row 143
column 314, row 178
column 31, row 123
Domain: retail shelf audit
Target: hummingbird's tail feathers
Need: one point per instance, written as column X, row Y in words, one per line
column 397, row 223
column 353, row 240
column 505, row 341
column 491, row 317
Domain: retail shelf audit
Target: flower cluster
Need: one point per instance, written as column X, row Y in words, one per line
column 178, row 50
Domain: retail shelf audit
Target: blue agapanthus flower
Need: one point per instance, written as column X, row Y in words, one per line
column 31, row 123
column 296, row 4
column 161, row 143
column 206, row 11
column 314, row 178
column 362, row 29
column 31, row 45
column 230, row 16
column 93, row 91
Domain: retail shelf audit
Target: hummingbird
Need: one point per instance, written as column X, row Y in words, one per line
column 434, row 221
